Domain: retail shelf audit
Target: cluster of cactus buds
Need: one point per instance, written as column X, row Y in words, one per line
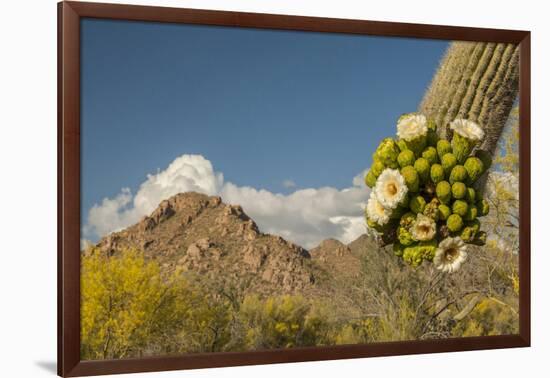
column 424, row 199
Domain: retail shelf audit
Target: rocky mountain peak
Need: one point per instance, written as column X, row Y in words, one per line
column 200, row 234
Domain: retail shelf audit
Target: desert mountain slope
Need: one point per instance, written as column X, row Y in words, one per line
column 337, row 258
column 201, row 234
column 217, row 242
column 338, row 273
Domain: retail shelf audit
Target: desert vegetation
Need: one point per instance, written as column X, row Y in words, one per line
column 130, row 308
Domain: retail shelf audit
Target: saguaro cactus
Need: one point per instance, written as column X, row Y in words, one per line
column 476, row 81
column 429, row 209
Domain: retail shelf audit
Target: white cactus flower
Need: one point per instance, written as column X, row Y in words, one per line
column 423, row 228
column 467, row 129
column 376, row 211
column 450, row 255
column 412, row 126
column 390, row 188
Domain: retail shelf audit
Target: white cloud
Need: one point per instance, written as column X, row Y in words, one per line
column 359, row 180
column 186, row 173
column 111, row 215
column 289, row 184
column 306, row 216
column 352, row 226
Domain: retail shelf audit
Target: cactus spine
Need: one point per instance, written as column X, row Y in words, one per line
column 477, row 81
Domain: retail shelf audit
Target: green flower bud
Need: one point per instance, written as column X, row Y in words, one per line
column 482, row 207
column 372, row 224
column 432, row 138
column 405, row 158
column 458, row 174
column 443, row 148
column 411, row 178
column 422, row 166
column 417, row 204
column 444, row 212
column 448, row 161
column 377, row 168
column 428, row 249
column 387, row 153
column 454, row 223
column 416, row 253
column 430, row 154
column 375, row 226
column 407, row 219
column 474, row 224
column 412, row 255
column 474, row 169
column 462, row 147
column 485, row 158
column 443, row 191
column 470, row 196
column 404, row 236
column 459, row 190
column 370, row 179
column 437, row 173
column 402, row 146
column 398, row 249
column 479, row 195
column 393, row 165
column 416, row 145
column 467, row 234
column 480, row 238
column 431, row 210
column 460, row 208
column 471, row 214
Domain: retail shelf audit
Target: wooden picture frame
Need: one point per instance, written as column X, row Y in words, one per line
column 69, row 16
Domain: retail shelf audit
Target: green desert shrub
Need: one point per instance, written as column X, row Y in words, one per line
column 282, row 322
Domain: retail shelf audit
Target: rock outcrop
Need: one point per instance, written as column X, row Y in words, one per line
column 195, row 233
column 199, row 235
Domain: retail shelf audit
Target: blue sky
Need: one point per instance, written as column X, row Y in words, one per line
column 264, row 106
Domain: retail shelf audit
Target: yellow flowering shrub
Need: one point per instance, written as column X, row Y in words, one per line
column 129, row 309
column 120, row 297
column 490, row 317
column 283, row 322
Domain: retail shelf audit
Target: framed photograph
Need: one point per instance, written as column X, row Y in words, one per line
column 240, row 188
